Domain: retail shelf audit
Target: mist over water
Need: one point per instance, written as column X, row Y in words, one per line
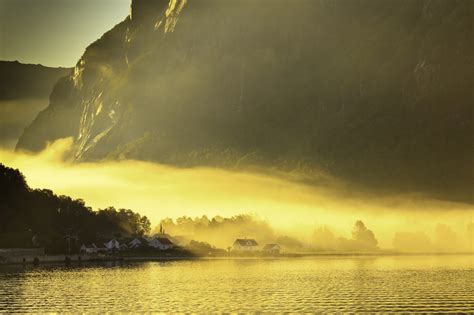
column 315, row 215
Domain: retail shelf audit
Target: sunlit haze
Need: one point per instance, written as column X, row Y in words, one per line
column 161, row 191
column 236, row 156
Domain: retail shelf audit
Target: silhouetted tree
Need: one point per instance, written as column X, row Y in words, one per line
column 38, row 217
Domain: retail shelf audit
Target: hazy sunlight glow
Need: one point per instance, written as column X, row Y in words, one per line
column 160, row 191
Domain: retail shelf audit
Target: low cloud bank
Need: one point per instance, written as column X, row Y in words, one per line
column 287, row 207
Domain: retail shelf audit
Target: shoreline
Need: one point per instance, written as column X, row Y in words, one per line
column 80, row 259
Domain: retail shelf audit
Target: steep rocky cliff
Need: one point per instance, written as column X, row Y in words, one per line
column 377, row 92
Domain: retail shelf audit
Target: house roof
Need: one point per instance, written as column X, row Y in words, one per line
column 271, row 246
column 164, row 241
column 246, row 242
column 113, row 243
column 138, row 240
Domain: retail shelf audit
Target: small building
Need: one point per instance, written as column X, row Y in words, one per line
column 160, row 243
column 111, row 245
column 89, row 249
column 244, row 244
column 137, row 243
column 273, row 249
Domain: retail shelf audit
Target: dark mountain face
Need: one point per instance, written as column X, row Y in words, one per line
column 24, row 92
column 376, row 92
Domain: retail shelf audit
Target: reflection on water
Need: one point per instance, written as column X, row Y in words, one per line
column 371, row 284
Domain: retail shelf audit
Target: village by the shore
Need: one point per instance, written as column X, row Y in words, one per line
column 157, row 247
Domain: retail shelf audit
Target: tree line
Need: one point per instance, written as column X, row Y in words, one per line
column 40, row 218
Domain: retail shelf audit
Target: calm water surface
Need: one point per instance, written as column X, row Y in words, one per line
column 331, row 284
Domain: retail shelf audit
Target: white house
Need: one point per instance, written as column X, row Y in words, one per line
column 245, row 245
column 135, row 243
column 272, row 249
column 89, row 249
column 160, row 243
column 113, row 244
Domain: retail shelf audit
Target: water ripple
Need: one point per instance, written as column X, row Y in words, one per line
column 353, row 284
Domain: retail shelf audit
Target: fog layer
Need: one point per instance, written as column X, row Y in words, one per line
column 320, row 216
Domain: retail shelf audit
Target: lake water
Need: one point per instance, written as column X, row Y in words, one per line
column 331, row 284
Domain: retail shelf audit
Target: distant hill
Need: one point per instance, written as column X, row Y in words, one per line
column 24, row 92
column 20, row 81
column 379, row 93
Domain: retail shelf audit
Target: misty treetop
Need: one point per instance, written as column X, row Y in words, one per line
column 38, row 217
column 221, row 231
column 363, row 239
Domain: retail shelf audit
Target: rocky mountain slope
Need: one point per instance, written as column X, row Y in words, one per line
column 376, row 92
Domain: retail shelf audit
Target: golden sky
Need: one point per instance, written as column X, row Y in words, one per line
column 55, row 32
